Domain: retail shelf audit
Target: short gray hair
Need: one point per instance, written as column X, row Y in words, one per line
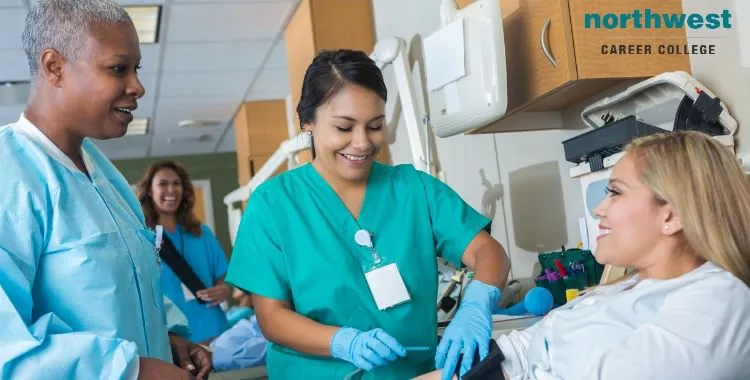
column 63, row 25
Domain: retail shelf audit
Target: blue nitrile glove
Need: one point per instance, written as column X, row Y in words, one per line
column 366, row 350
column 470, row 329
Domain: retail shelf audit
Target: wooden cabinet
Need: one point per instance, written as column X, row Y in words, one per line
column 260, row 127
column 318, row 25
column 553, row 60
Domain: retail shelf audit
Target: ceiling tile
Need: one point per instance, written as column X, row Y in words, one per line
column 14, row 94
column 228, row 84
column 12, row 21
column 173, row 110
column 218, row 56
column 124, row 147
column 10, row 114
column 229, row 144
column 146, row 103
column 14, row 66
column 236, row 1
column 191, row 133
column 161, row 146
column 225, row 22
column 272, row 80
column 11, row 3
column 277, row 59
column 149, row 58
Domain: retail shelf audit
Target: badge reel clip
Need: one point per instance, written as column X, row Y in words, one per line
column 385, row 282
column 364, row 239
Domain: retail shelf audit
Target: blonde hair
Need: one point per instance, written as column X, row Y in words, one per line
column 707, row 188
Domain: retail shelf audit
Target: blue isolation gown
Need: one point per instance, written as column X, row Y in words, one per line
column 79, row 290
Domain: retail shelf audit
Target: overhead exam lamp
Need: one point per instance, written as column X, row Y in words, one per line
column 389, row 51
column 393, row 51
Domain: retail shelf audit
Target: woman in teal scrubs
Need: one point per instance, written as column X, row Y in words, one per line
column 167, row 198
column 340, row 254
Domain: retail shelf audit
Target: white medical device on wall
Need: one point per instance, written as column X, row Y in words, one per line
column 465, row 68
column 669, row 101
column 393, row 51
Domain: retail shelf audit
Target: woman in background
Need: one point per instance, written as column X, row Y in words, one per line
column 678, row 211
column 167, row 198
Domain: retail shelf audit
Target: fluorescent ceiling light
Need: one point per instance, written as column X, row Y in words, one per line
column 147, row 19
column 138, row 127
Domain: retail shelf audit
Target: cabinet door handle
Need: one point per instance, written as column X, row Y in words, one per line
column 543, row 42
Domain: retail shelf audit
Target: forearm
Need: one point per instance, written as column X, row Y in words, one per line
column 286, row 327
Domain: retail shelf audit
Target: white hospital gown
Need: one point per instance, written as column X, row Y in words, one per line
column 79, row 291
column 696, row 326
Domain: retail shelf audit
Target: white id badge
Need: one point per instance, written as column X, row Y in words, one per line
column 387, row 286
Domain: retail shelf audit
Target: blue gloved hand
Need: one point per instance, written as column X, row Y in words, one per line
column 366, row 350
column 470, row 330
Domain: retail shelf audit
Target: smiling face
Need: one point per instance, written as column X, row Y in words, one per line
column 348, row 132
column 634, row 227
column 100, row 87
column 166, row 191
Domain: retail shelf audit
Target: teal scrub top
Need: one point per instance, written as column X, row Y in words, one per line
column 296, row 243
column 206, row 258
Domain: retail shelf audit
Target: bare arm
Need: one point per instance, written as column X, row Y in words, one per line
column 284, row 326
column 487, row 258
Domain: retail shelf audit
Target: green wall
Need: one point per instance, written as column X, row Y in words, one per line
column 220, row 169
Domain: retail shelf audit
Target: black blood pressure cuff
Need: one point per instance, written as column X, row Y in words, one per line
column 488, row 369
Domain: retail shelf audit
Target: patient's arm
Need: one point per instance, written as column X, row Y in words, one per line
column 515, row 347
column 434, row 375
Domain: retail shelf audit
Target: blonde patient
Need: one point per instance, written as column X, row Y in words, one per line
column 678, row 211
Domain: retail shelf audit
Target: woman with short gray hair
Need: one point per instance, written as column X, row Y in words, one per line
column 79, row 293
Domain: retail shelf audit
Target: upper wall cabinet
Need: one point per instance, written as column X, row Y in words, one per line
column 260, row 127
column 318, row 25
column 560, row 52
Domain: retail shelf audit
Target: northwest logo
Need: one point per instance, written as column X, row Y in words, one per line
column 647, row 19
